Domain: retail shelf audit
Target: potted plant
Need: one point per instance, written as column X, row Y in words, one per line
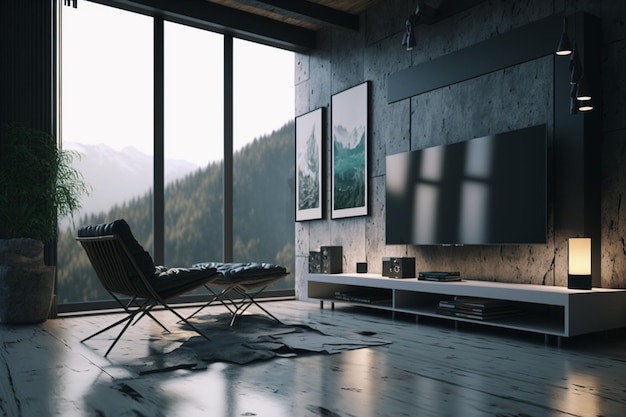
column 37, row 186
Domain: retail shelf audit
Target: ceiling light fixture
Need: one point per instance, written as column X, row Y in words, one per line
column 564, row 47
column 423, row 14
column 586, row 105
column 583, row 92
column 580, row 93
column 575, row 66
column 409, row 37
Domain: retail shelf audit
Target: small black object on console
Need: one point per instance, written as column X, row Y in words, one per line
column 399, row 267
column 332, row 259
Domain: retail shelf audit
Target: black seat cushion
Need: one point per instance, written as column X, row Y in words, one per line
column 169, row 282
column 245, row 271
column 122, row 229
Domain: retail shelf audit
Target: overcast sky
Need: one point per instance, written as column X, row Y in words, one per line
column 107, row 85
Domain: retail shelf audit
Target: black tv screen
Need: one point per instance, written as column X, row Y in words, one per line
column 488, row 190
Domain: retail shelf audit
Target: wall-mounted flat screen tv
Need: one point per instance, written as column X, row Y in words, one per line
column 488, row 190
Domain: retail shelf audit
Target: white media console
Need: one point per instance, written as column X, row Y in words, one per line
column 549, row 310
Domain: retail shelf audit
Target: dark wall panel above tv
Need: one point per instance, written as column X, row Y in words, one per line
column 511, row 48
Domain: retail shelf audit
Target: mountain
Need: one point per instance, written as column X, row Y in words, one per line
column 348, row 138
column 118, row 176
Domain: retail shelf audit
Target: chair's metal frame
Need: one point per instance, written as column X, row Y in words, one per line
column 106, row 254
column 133, row 302
column 246, row 289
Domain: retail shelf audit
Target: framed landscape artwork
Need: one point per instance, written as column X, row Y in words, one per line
column 309, row 158
column 349, row 120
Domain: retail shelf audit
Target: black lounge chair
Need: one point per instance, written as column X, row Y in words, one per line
column 245, row 280
column 125, row 268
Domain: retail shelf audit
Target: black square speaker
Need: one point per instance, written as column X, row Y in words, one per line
column 332, row 259
column 399, row 267
column 315, row 262
column 361, row 267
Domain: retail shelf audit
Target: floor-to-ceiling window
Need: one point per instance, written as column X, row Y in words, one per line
column 194, row 144
column 264, row 149
column 107, row 116
column 107, row 107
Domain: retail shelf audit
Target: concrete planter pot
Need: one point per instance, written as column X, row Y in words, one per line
column 26, row 283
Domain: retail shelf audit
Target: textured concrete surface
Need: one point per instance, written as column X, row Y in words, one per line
column 512, row 98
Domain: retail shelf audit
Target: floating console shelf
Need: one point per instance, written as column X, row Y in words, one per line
column 548, row 310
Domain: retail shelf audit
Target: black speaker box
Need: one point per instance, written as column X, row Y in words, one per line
column 315, row 262
column 399, row 267
column 332, row 259
column 361, row 267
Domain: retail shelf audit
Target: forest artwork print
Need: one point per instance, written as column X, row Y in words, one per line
column 349, row 147
column 309, row 128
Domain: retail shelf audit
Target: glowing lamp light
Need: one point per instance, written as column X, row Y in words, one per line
column 579, row 263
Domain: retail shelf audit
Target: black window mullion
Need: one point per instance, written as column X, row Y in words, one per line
column 228, row 149
column 159, row 140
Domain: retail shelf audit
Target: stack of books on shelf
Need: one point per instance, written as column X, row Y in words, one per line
column 478, row 308
column 363, row 296
column 439, row 276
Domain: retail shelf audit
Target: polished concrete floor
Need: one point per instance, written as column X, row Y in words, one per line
column 431, row 368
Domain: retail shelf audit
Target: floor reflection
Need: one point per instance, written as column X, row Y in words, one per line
column 580, row 392
column 430, row 369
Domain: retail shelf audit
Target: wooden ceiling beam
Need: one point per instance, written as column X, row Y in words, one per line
column 307, row 11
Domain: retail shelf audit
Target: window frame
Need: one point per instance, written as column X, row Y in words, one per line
column 159, row 154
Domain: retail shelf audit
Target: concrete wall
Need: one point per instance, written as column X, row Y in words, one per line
column 509, row 99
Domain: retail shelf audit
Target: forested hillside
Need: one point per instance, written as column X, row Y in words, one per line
column 264, row 205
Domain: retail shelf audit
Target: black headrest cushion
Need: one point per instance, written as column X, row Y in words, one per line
column 122, row 229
